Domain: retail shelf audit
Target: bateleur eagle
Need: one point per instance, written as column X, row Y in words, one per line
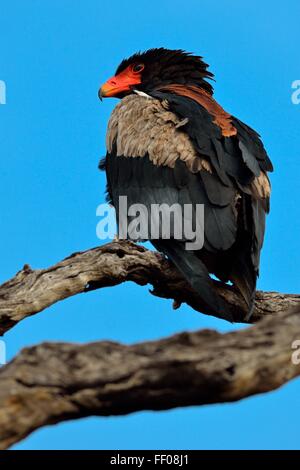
column 169, row 141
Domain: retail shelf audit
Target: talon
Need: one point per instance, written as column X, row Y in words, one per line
column 176, row 304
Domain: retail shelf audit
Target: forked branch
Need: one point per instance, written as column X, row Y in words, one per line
column 31, row 291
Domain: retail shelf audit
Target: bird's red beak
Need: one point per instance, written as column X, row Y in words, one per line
column 121, row 84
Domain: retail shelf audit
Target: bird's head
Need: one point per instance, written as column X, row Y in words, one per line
column 154, row 69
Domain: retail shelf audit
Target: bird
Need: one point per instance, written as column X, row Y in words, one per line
column 170, row 142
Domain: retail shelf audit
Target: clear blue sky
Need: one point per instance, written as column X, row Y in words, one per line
column 54, row 54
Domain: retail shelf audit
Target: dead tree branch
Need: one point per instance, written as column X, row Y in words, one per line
column 31, row 291
column 54, row 382
column 51, row 383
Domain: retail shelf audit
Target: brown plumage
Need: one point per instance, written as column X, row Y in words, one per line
column 221, row 118
column 140, row 125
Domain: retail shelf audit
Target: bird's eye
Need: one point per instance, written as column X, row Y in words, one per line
column 137, row 68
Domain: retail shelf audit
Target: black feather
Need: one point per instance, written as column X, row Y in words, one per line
column 234, row 218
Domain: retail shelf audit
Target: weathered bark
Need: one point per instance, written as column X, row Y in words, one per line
column 54, row 382
column 50, row 383
column 31, row 291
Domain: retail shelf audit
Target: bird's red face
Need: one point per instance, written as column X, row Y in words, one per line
column 123, row 83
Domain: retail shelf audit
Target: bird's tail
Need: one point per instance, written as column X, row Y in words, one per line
column 244, row 271
column 195, row 273
column 244, row 279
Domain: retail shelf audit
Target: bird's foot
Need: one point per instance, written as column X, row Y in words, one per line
column 176, row 304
